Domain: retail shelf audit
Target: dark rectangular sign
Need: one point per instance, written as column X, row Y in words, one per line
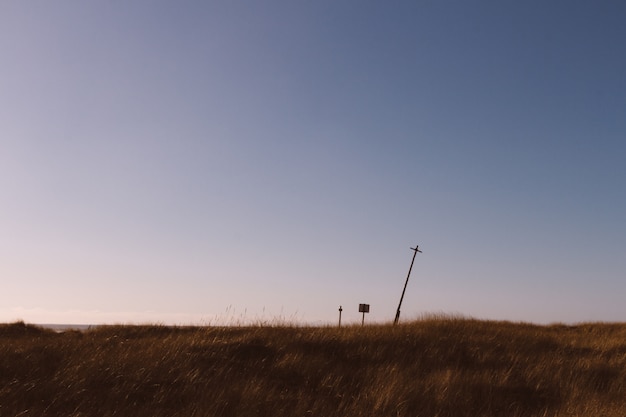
column 364, row 308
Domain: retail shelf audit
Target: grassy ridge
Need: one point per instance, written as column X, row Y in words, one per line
column 435, row 367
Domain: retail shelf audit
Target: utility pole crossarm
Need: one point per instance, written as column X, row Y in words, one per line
column 415, row 250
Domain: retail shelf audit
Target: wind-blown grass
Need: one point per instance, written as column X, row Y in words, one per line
column 432, row 367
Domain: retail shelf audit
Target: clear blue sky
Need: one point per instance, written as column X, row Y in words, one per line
column 241, row 161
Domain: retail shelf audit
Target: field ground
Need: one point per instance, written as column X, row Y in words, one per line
column 432, row 367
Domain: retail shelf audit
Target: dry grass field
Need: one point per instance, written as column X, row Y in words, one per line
column 433, row 367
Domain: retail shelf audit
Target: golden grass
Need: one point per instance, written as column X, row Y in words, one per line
column 431, row 367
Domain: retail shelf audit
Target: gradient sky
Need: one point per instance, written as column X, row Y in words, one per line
column 245, row 161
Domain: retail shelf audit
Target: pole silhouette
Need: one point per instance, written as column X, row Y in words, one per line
column 415, row 249
column 340, row 310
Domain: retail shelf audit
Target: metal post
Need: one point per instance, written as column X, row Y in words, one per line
column 340, row 310
column 415, row 249
column 363, row 321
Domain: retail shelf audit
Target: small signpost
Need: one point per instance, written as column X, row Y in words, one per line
column 340, row 310
column 364, row 308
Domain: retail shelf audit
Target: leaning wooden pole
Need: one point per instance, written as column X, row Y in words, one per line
column 415, row 249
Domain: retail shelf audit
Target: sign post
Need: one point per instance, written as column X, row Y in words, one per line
column 364, row 308
column 416, row 249
column 340, row 310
